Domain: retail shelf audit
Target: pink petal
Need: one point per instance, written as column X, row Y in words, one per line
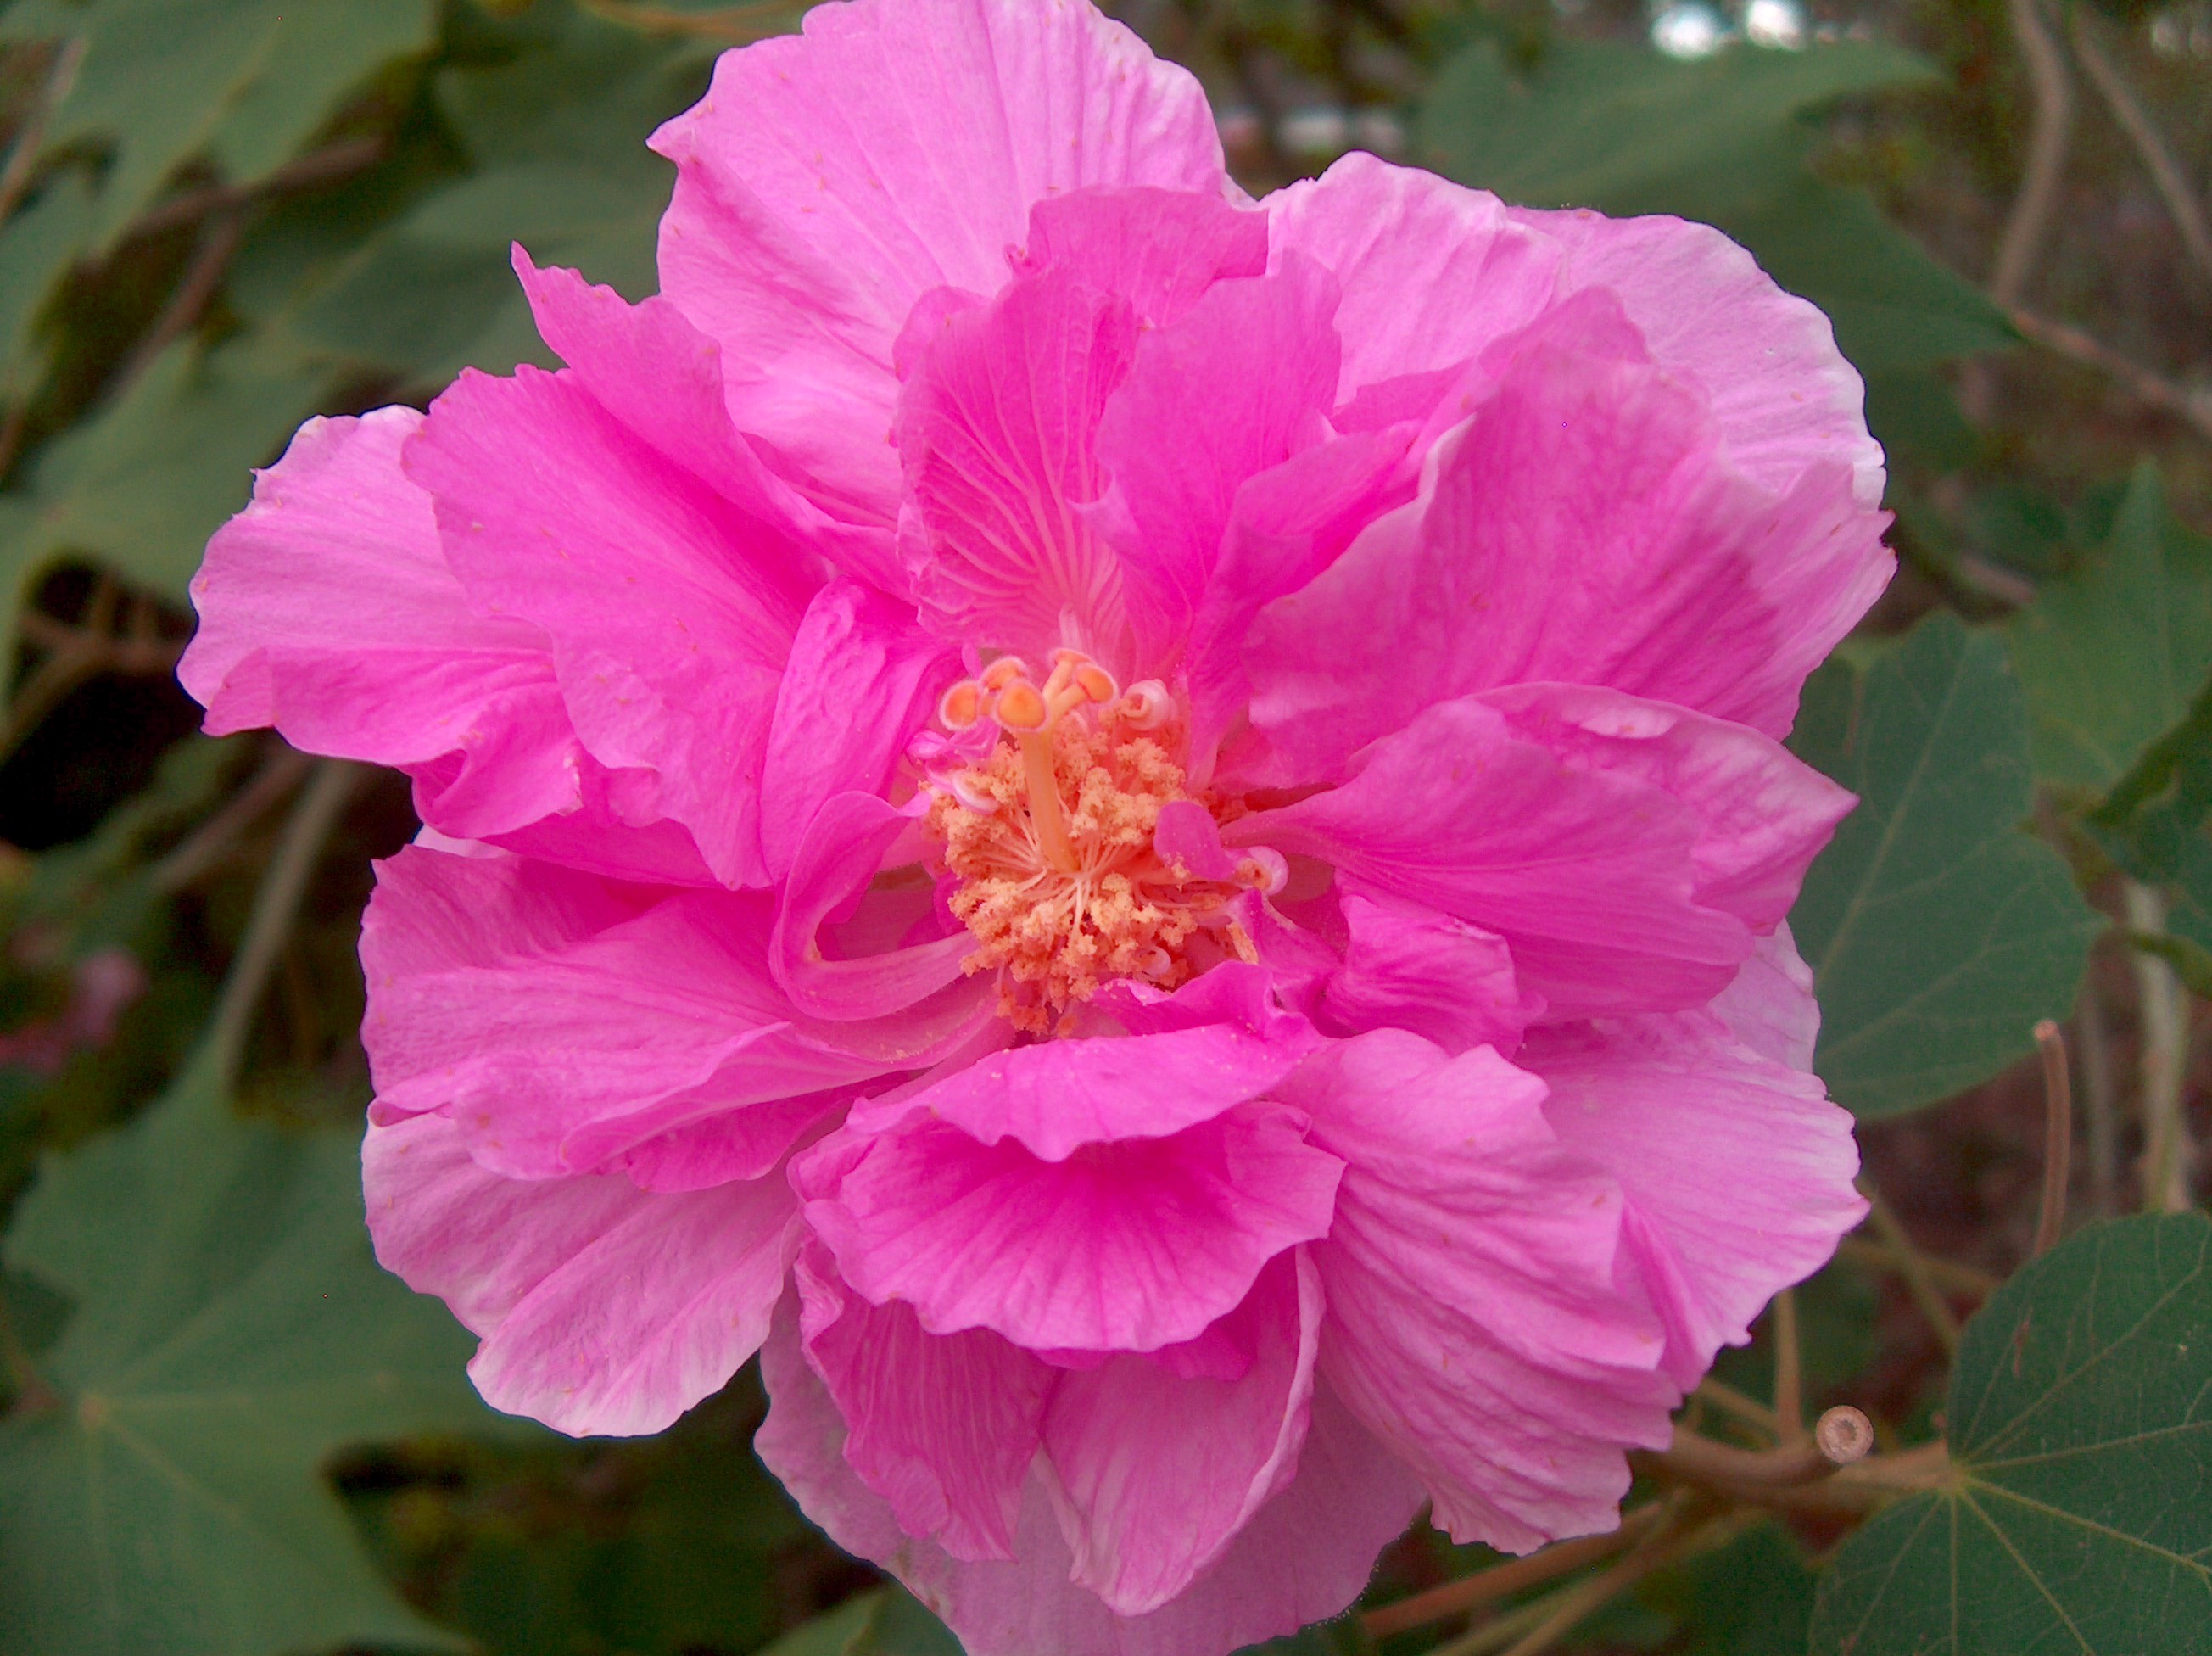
column 1738, row 1170
column 602, row 1309
column 563, row 1022
column 327, row 610
column 1784, row 395
column 1432, row 273
column 845, row 847
column 1159, row 249
column 1302, row 1558
column 1245, row 379
column 1123, row 1246
column 1581, row 527
column 1769, row 1007
column 672, row 610
column 1474, row 1322
column 646, row 365
column 997, row 430
column 828, row 180
column 1763, row 815
column 1409, row 967
column 1192, row 1055
column 862, row 679
column 1588, row 873
column 1155, row 1474
column 942, row 1426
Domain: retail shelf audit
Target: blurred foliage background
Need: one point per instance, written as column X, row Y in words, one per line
column 225, row 1432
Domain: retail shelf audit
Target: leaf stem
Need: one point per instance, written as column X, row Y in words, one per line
column 1945, row 1274
column 1913, row 1268
column 2057, row 1137
column 1729, row 1400
column 2181, row 203
column 2164, row 1043
column 1789, row 1369
column 1503, row 1580
column 275, row 907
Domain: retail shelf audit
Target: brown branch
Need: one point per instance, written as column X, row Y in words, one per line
column 204, row 846
column 322, row 166
column 2181, row 203
column 1503, row 1580
column 219, row 240
column 2030, row 219
column 2057, row 1135
column 23, row 156
column 1730, row 1401
column 1789, row 1369
column 739, row 24
column 1945, row 1274
column 1829, row 1471
column 138, row 657
column 2160, row 392
column 61, row 672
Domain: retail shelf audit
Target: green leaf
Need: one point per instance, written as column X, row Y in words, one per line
column 38, row 246
column 886, row 1621
column 1604, row 124
column 1752, row 1597
column 1938, row 932
column 2113, row 657
column 559, row 136
column 248, row 80
column 231, row 1334
column 141, row 486
column 2075, row 1516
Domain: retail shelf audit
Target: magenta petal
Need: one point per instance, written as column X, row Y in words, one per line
column 861, row 679
column 1763, row 815
column 672, row 610
column 843, row 850
column 1155, row 1474
column 1159, row 249
column 1584, row 527
column 1782, row 393
column 1738, row 1170
column 1769, row 1007
column 1409, row 967
column 1303, row 1557
column 603, row 1309
column 1123, row 1246
column 327, row 610
column 1590, row 875
column 830, row 179
column 1475, row 1325
column 942, row 1426
column 1242, row 383
column 1432, row 273
column 997, row 430
column 563, row 1021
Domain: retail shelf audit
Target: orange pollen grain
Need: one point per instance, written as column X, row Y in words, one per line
column 1057, row 926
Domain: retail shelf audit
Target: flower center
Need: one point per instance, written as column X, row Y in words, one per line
column 1051, row 837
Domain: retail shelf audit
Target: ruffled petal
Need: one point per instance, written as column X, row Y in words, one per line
column 327, row 610
column 1475, row 1322
column 830, row 179
column 1590, row 875
column 1583, row 526
column 1432, row 273
column 1784, row 395
column 1159, row 249
column 603, row 1309
column 1126, row 1246
column 1409, row 967
column 1738, row 1171
column 672, row 610
column 564, row 1022
column 942, row 1426
column 1155, row 1473
column 1301, row 1558
column 998, row 433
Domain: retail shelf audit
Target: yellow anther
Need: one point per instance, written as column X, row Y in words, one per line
column 961, row 707
column 1095, row 682
column 1020, row 708
column 1003, row 672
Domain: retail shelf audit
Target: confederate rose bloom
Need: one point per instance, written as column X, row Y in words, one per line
column 1144, row 831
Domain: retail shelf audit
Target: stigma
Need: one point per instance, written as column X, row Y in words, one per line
column 1050, row 840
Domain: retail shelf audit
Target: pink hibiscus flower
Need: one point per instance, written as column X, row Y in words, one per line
column 1142, row 835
